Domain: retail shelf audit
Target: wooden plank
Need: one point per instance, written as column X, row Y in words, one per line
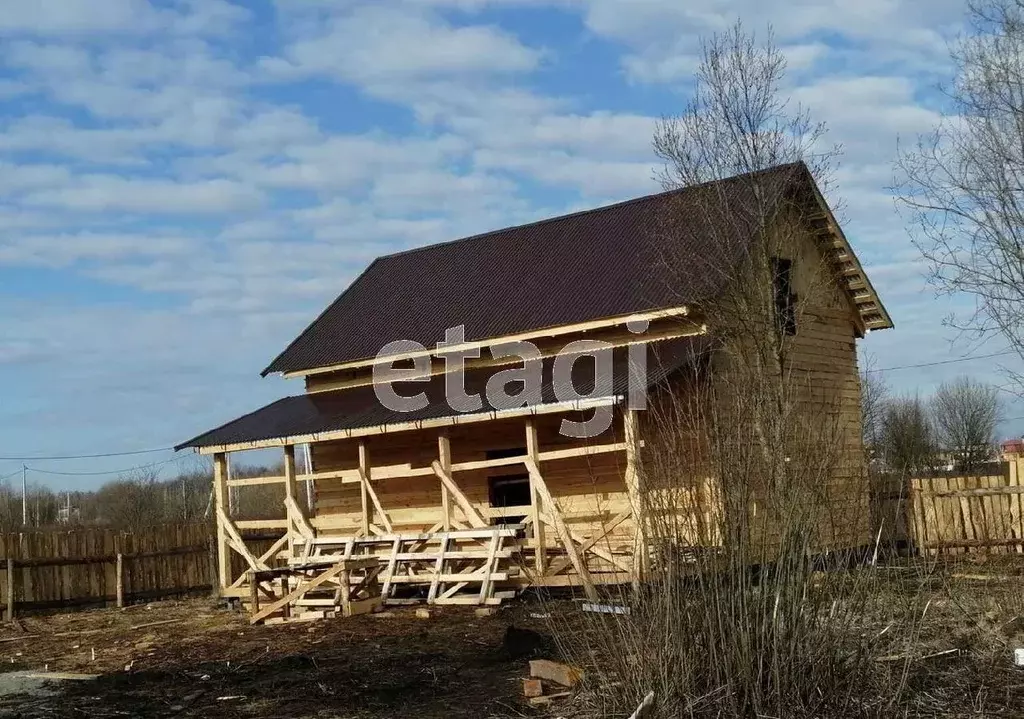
column 368, row 488
column 298, row 519
column 490, row 568
column 392, row 567
column 551, row 509
column 444, row 451
column 578, row 405
column 563, row 564
column 220, row 490
column 364, row 497
column 1016, row 529
column 236, row 542
column 120, row 580
column 631, row 430
column 587, row 326
column 470, row 512
column 540, row 550
column 261, row 524
column 435, row 582
column 10, row 589
column 299, row 591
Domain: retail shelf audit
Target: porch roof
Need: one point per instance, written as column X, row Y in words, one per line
column 317, row 416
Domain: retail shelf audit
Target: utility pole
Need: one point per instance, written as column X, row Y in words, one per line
column 24, row 496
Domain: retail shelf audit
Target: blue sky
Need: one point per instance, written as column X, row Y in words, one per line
column 185, row 184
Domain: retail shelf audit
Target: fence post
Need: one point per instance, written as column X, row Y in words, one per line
column 120, row 581
column 10, row 589
column 212, row 568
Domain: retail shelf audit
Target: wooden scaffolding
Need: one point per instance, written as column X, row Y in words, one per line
column 465, row 558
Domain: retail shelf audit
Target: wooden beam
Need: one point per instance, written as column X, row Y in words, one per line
column 631, row 430
column 381, row 429
column 298, row 592
column 613, row 337
column 560, row 330
column 261, row 524
column 551, row 509
column 274, row 549
column 467, row 507
column 364, row 497
column 298, row 519
column 536, row 505
column 444, row 451
column 368, row 488
column 290, row 492
column 235, row 541
column 587, row 546
column 220, row 495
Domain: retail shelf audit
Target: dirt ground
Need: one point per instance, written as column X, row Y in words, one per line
column 197, row 658
column 208, row 661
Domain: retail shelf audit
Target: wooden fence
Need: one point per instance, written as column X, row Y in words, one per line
column 67, row 568
column 953, row 515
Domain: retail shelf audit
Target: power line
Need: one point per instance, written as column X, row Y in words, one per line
column 943, row 362
column 12, row 474
column 108, row 472
column 85, row 456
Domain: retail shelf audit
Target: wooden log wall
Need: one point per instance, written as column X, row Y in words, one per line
column 68, row 568
column 956, row 515
column 590, row 490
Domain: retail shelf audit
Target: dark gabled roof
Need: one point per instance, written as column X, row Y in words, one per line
column 665, row 250
column 565, row 270
column 359, row 407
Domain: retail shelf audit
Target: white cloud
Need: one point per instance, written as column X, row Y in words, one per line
column 130, row 17
column 663, row 36
column 61, row 250
column 380, row 47
column 110, row 193
column 60, row 17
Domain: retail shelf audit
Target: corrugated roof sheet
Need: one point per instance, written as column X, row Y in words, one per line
column 359, row 407
column 607, row 262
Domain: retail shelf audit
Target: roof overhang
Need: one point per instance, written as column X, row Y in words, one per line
column 542, row 333
column 391, row 428
column 849, row 272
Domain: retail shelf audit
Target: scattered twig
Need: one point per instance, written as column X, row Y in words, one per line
column 646, row 704
column 155, row 624
column 18, row 639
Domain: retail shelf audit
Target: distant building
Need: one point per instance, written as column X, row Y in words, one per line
column 1011, row 449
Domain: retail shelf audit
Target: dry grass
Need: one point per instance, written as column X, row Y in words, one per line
column 933, row 639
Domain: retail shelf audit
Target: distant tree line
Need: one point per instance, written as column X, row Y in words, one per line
column 953, row 430
column 138, row 499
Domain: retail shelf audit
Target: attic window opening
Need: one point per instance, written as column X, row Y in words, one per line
column 785, row 299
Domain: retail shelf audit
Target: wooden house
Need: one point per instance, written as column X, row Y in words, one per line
column 464, row 501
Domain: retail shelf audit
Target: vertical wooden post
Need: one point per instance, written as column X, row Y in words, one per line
column 291, row 492
column 211, row 567
column 119, row 582
column 631, row 432
column 220, row 496
column 10, row 589
column 254, row 593
column 444, row 452
column 364, row 491
column 540, row 545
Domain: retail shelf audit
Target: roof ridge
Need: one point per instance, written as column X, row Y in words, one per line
column 590, row 211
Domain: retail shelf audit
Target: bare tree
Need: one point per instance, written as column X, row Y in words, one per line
column 742, row 457
column 874, row 394
column 965, row 413
column 963, row 183
column 133, row 501
column 907, row 439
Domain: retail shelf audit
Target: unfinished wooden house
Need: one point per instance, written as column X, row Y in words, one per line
column 467, row 501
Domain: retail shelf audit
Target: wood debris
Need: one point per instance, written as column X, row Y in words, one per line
column 556, row 672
